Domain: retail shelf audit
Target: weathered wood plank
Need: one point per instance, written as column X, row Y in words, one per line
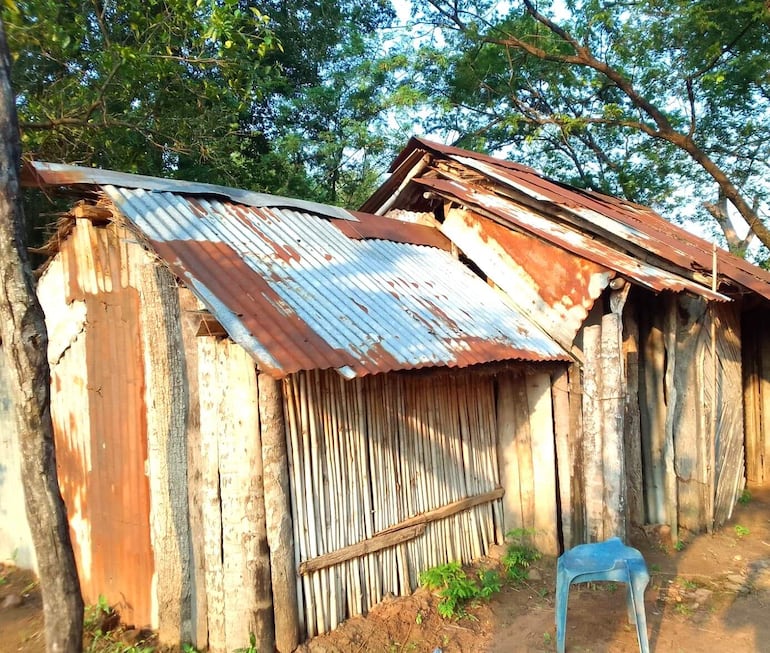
column 653, row 411
column 561, row 421
column 523, row 444
column 211, row 515
column 372, row 545
column 632, row 442
column 546, row 536
column 668, row 449
column 280, row 539
column 507, row 452
column 188, row 304
column 613, row 457
column 592, row 434
column 166, row 403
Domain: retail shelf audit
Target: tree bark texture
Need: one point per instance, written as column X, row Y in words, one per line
column 24, row 336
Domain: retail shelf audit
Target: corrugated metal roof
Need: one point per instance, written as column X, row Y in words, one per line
column 41, row 173
column 569, row 238
column 295, row 291
column 634, row 237
column 554, row 287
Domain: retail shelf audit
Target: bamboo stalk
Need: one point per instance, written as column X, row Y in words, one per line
column 298, row 513
column 311, row 491
column 330, row 478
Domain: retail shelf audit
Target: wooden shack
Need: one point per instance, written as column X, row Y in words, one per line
column 660, row 419
column 269, row 414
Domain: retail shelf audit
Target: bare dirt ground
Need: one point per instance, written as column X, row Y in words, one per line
column 712, row 595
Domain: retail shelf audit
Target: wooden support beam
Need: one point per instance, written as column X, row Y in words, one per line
column 398, row 533
column 96, row 214
column 371, row 545
column 277, row 491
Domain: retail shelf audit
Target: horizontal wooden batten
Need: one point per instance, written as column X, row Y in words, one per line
column 372, row 545
column 447, row 511
column 398, row 533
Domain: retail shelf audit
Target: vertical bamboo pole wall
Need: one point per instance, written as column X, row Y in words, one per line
column 369, row 453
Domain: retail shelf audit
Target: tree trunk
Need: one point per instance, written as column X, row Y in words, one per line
column 24, row 336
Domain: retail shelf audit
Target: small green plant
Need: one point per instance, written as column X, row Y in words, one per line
column 654, row 567
column 745, row 497
column 741, row 531
column 520, row 554
column 683, row 609
column 547, row 638
column 188, row 648
column 456, row 590
column 418, row 618
column 251, row 648
column 679, row 545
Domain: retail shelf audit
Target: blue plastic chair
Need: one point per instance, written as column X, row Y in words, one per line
column 613, row 561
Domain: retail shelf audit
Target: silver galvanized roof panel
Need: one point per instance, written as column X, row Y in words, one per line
column 297, row 293
column 58, row 174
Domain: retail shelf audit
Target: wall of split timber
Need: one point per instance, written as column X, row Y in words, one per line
column 685, row 355
column 756, row 383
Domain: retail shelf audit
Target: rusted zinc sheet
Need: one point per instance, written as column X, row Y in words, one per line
column 39, row 173
column 637, row 230
column 98, row 412
column 298, row 294
column 569, row 238
column 552, row 286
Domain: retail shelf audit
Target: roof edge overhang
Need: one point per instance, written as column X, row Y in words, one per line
column 44, row 174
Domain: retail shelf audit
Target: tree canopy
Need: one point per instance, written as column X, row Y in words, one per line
column 661, row 102
column 228, row 91
column 664, row 103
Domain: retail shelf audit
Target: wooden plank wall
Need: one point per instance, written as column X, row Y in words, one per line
column 603, row 471
column 730, row 454
column 235, row 553
column 369, row 454
column 691, row 409
column 756, row 383
column 527, row 455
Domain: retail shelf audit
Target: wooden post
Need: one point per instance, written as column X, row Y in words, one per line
column 277, row 490
column 564, row 462
column 544, row 492
column 612, row 427
column 507, row 454
column 632, row 423
column 190, row 320
column 166, row 404
column 592, row 434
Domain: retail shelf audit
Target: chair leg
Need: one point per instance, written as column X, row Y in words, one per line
column 637, row 587
column 562, row 599
column 630, row 603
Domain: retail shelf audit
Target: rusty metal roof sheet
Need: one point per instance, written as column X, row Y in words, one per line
column 41, row 173
column 298, row 293
column 631, row 236
column 571, row 239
